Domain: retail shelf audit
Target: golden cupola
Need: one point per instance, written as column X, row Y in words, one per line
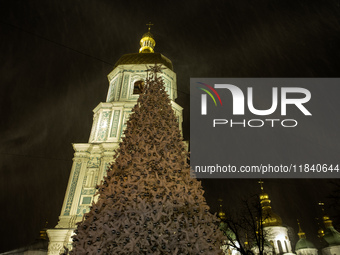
column 147, row 43
column 326, row 220
column 269, row 217
column 146, row 54
column 301, row 234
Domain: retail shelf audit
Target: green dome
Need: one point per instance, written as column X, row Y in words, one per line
column 303, row 243
column 144, row 58
column 332, row 236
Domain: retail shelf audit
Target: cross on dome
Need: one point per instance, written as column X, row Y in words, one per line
column 149, row 25
column 261, row 184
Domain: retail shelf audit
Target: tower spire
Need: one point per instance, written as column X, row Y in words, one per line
column 221, row 213
column 147, row 43
column 326, row 220
column 321, row 231
column 270, row 218
column 301, row 234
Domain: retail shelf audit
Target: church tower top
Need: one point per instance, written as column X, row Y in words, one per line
column 301, row 234
column 144, row 56
column 221, row 213
column 326, row 220
column 303, row 243
column 270, row 218
column 147, row 43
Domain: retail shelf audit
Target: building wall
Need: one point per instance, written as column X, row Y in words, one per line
column 278, row 237
column 331, row 250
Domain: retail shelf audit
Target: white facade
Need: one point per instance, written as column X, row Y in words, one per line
column 92, row 159
column 307, row 251
column 278, row 241
column 331, row 250
column 278, row 238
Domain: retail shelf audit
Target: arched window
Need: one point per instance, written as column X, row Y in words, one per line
column 138, row 87
column 286, row 246
column 279, row 245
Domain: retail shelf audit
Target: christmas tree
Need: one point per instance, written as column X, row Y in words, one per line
column 148, row 203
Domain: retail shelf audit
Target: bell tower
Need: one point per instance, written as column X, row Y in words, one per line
column 91, row 160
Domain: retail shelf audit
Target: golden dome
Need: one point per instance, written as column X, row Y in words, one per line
column 221, row 215
column 147, row 43
column 144, row 58
column 271, row 219
column 146, row 54
column 327, row 221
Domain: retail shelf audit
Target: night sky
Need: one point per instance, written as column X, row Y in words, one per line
column 55, row 56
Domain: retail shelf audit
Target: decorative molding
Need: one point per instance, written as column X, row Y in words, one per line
column 94, row 127
column 72, row 189
column 125, row 85
column 115, row 123
column 94, row 162
column 59, row 238
column 103, row 126
column 111, row 92
column 126, row 115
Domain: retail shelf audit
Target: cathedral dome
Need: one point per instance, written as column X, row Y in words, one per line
column 147, row 43
column 304, row 244
column 146, row 54
column 148, row 34
column 332, row 236
column 144, row 58
column 270, row 218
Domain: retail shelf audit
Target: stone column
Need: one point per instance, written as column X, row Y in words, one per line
column 59, row 238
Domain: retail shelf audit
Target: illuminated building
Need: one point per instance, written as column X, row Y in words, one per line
column 92, row 159
column 304, row 246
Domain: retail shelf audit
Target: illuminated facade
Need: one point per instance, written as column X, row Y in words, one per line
column 92, row 159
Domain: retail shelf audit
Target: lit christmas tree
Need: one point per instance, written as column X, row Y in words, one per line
column 148, row 203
